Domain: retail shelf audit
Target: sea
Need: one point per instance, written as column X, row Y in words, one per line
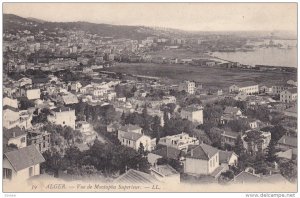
column 286, row 55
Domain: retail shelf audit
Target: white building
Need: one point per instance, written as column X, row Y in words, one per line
column 288, row 95
column 10, row 117
column 25, row 81
column 132, row 136
column 193, row 114
column 32, row 94
column 15, row 136
column 169, row 99
column 187, row 86
column 21, row 164
column 248, row 89
column 63, row 116
column 134, row 140
column 202, row 160
column 179, row 141
column 10, row 102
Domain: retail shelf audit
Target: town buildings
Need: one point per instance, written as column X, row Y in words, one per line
column 289, row 95
column 21, row 164
column 248, row 89
column 187, row 86
column 63, row 116
column 193, row 114
column 180, row 141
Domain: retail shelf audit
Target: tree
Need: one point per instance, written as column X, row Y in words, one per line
column 73, row 155
column 289, row 170
column 156, row 128
column 123, row 117
column 254, row 140
column 239, row 146
column 141, row 149
column 226, row 177
column 174, row 163
column 53, row 162
column 146, row 119
column 238, row 125
column 25, row 103
column 42, row 117
column 276, row 132
column 271, row 152
column 215, row 136
column 109, row 114
column 260, row 164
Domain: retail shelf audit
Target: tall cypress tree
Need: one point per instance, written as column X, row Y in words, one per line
column 271, row 152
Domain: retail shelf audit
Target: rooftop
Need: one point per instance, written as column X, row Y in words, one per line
column 203, row 151
column 231, row 110
column 168, row 152
column 24, row 157
column 134, row 176
column 165, row 170
column 224, row 156
column 10, row 108
column 132, row 136
column 293, row 90
column 245, row 177
column 13, row 132
column 288, row 140
column 130, row 127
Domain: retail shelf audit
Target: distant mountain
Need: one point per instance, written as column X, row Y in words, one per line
column 13, row 23
column 36, row 20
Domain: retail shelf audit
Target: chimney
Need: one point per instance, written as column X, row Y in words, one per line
column 14, row 134
column 283, row 140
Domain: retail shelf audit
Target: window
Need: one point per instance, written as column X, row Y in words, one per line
column 210, row 164
column 30, row 171
column 23, row 139
column 7, row 173
column 64, row 122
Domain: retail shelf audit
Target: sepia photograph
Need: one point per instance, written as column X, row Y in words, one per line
column 149, row 97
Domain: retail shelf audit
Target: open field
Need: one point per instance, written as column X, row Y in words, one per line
column 208, row 76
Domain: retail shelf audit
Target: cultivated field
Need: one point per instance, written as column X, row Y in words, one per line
column 208, row 76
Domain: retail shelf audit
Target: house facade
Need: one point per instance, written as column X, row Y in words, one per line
column 288, row 95
column 187, row 86
column 21, row 164
column 249, row 89
column 180, row 141
column 63, row 116
column 193, row 114
column 202, row 160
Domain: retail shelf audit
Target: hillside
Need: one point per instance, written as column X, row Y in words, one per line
column 13, row 23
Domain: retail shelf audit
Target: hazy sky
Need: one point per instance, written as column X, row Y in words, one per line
column 186, row 16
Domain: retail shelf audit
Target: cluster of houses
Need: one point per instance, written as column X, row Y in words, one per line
column 197, row 158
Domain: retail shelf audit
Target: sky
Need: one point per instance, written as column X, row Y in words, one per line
column 185, row 16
